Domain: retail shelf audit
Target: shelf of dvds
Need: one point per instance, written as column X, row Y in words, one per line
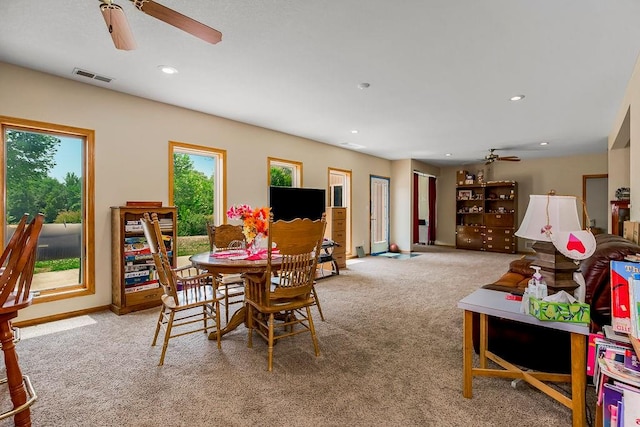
column 134, row 285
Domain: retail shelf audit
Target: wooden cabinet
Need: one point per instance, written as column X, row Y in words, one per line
column 337, row 231
column 134, row 285
column 486, row 216
column 469, row 237
column 620, row 213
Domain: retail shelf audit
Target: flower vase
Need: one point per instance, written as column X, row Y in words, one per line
column 254, row 246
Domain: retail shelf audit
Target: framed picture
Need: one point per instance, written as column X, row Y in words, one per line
column 465, row 194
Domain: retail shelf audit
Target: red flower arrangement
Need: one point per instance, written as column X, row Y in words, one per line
column 255, row 221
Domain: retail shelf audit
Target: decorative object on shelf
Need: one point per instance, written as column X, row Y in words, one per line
column 552, row 221
column 465, row 195
column 623, row 193
column 255, row 225
column 480, row 176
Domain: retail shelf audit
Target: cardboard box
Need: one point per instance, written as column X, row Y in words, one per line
column 461, row 175
column 636, row 232
column 577, row 312
column 621, row 271
column 628, row 230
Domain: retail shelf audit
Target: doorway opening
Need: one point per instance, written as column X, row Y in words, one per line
column 594, row 194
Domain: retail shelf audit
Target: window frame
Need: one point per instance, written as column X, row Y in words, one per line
column 86, row 285
column 219, row 212
column 296, row 178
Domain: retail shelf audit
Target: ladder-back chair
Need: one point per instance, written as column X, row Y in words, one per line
column 226, row 237
column 298, row 244
column 188, row 296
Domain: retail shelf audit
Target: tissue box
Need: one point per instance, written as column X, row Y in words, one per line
column 559, row 311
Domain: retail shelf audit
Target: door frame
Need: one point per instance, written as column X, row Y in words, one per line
column 372, row 178
column 585, row 178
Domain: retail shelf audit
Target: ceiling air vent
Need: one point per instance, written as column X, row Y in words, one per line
column 90, row 75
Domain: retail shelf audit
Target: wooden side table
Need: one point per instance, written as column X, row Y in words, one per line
column 494, row 303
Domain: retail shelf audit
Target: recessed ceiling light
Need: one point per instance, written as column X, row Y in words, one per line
column 448, row 155
column 544, row 143
column 516, row 98
column 363, row 85
column 167, row 69
column 354, row 131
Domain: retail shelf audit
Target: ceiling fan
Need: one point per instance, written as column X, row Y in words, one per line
column 492, row 157
column 121, row 33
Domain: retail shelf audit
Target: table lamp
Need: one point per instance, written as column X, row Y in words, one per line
column 552, row 221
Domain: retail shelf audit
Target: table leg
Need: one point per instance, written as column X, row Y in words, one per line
column 467, row 354
column 238, row 318
column 578, row 378
column 484, row 340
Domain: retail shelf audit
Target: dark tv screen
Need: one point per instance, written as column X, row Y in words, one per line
column 288, row 203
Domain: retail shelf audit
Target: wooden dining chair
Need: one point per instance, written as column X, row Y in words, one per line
column 188, row 295
column 226, row 237
column 18, row 265
column 298, row 245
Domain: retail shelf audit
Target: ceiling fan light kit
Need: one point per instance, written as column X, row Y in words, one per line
column 121, row 33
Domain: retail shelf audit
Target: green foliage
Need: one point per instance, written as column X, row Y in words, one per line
column 30, row 157
column 189, row 245
column 57, row 265
column 30, row 189
column 193, row 195
column 68, row 217
column 281, row 177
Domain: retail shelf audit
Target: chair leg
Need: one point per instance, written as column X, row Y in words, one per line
column 167, row 335
column 15, row 381
column 158, row 326
column 226, row 303
column 205, row 319
column 313, row 332
column 218, row 335
column 250, row 325
column 317, row 300
column 270, row 351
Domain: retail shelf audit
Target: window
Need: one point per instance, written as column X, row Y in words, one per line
column 340, row 196
column 49, row 169
column 197, row 189
column 284, row 173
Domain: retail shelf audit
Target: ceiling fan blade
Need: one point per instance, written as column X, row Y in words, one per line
column 510, row 158
column 118, row 26
column 179, row 20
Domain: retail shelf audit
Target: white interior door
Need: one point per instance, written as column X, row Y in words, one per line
column 379, row 214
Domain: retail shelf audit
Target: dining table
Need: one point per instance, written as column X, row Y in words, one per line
column 231, row 262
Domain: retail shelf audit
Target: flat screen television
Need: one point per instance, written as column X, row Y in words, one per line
column 288, row 203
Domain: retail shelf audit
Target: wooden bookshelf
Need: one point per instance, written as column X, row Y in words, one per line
column 127, row 297
column 487, row 216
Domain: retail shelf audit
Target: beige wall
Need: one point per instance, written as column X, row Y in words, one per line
column 563, row 174
column 624, row 154
column 131, row 162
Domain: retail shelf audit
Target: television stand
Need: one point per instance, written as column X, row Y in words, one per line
column 326, row 256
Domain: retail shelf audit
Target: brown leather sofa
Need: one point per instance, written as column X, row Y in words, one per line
column 539, row 348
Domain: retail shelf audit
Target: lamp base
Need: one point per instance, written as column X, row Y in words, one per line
column 556, row 269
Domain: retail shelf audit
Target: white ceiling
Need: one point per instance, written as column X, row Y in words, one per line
column 441, row 71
